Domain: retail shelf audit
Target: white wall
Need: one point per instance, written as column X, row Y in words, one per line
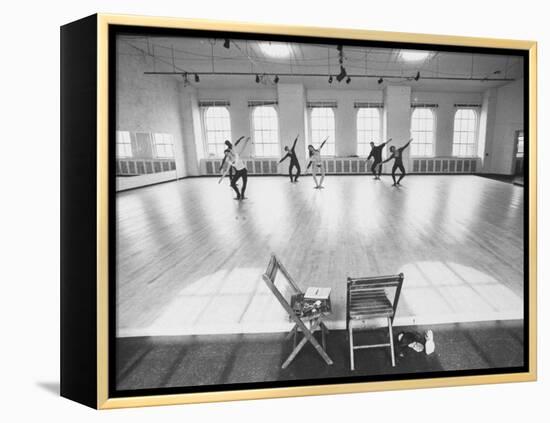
column 148, row 104
column 508, row 119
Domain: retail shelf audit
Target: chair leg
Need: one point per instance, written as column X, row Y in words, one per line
column 350, row 336
column 390, row 330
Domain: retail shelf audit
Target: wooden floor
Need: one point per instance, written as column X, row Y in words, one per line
column 190, row 258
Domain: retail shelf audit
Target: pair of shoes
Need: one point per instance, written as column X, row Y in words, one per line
column 394, row 184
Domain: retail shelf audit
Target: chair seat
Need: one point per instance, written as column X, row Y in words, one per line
column 369, row 304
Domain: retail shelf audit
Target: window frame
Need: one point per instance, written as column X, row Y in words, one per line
column 253, row 130
column 205, row 131
column 310, row 130
column 433, row 131
column 120, row 143
column 475, row 131
column 367, row 144
column 155, row 145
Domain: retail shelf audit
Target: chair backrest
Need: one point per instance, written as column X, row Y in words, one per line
column 269, row 277
column 390, row 284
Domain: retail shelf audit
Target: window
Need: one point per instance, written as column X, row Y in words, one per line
column 464, row 134
column 322, row 126
column 368, row 129
column 519, row 153
column 163, row 146
column 266, row 131
column 123, row 144
column 422, row 132
column 218, row 129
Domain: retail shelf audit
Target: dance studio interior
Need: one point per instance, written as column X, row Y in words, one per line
column 334, row 272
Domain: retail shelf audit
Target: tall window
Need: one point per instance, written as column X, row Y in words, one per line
column 218, row 129
column 422, row 132
column 464, row 133
column 266, row 131
column 164, row 146
column 368, row 129
column 322, row 126
column 521, row 146
column 123, row 144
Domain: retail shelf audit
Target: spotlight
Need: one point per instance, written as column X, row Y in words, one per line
column 276, row 79
column 226, row 43
column 257, row 79
column 417, row 77
column 380, row 80
column 348, row 80
column 185, row 80
column 342, row 74
column 339, row 47
column 330, row 79
column 197, row 79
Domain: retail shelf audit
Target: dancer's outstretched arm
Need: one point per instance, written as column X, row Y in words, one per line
column 406, row 145
column 239, row 140
column 223, row 161
column 284, row 157
column 243, row 146
column 323, row 143
column 388, row 159
column 387, row 142
column 308, row 165
column 295, row 141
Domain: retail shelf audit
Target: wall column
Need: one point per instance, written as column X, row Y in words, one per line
column 397, row 116
column 292, row 109
column 193, row 144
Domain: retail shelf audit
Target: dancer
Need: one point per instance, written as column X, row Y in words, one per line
column 294, row 163
column 315, row 159
column 235, row 161
column 397, row 155
column 376, row 154
column 229, row 146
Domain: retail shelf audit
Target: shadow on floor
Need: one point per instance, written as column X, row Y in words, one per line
column 161, row 362
column 50, row 387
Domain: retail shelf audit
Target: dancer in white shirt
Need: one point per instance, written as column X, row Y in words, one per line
column 318, row 164
column 233, row 156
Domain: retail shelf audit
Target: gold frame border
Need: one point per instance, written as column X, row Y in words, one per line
column 103, row 21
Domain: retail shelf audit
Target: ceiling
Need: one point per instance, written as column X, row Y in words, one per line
column 293, row 62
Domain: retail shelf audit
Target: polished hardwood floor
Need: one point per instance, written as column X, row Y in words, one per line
column 190, row 257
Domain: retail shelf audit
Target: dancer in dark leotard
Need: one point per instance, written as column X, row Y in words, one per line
column 376, row 154
column 294, row 163
column 397, row 155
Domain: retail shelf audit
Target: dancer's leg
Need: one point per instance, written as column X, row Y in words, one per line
column 234, row 179
column 374, row 165
column 290, row 166
column 322, row 174
column 394, row 168
column 244, row 176
column 314, row 174
column 403, row 173
column 298, row 171
column 379, row 169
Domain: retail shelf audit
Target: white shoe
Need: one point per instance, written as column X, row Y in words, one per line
column 429, row 347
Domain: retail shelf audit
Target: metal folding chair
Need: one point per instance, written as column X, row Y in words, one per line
column 372, row 298
column 301, row 321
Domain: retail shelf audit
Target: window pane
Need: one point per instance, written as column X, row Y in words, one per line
column 217, row 124
column 123, row 144
column 368, row 129
column 265, row 122
column 464, row 136
column 322, row 126
column 422, row 132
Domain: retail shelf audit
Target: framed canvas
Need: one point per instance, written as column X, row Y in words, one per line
column 257, row 211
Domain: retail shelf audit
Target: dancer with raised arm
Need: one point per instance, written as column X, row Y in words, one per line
column 318, row 165
column 294, row 163
column 376, row 154
column 234, row 158
column 397, row 155
column 229, row 146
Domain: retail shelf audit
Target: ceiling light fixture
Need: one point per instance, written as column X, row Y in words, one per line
column 276, row 79
column 197, row 79
column 227, row 43
column 348, row 80
column 414, row 55
column 257, row 79
column 330, row 79
column 276, row 50
column 342, row 74
column 380, row 80
column 417, row 77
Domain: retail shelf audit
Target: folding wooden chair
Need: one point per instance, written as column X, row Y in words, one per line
column 301, row 321
column 372, row 298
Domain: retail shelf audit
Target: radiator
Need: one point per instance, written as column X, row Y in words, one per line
column 133, row 167
column 445, row 165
